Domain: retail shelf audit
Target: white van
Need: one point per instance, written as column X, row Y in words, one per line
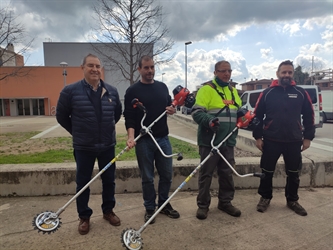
column 249, row 100
column 327, row 104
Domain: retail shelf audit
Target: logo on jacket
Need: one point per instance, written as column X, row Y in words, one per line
column 110, row 100
column 292, row 95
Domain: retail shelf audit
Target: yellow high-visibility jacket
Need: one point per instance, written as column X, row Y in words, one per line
column 208, row 103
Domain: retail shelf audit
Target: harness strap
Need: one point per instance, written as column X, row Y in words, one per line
column 226, row 102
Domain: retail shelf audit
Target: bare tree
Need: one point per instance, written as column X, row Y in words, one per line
column 12, row 32
column 137, row 24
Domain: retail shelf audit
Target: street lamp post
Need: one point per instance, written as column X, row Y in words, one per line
column 162, row 76
column 187, row 43
column 64, row 71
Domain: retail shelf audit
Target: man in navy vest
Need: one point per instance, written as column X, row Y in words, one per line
column 89, row 110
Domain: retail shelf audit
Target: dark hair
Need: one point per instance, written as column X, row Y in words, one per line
column 144, row 58
column 89, row 55
column 219, row 63
column 287, row 62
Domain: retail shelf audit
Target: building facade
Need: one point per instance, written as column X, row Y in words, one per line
column 37, row 92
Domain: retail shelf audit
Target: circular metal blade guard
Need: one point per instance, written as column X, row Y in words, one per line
column 46, row 222
column 131, row 239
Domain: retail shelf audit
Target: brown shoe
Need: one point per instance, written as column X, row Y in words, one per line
column 112, row 218
column 84, row 226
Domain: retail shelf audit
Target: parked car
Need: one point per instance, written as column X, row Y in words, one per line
column 250, row 97
column 327, row 104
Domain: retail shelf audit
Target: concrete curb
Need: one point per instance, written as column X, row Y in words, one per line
column 57, row 179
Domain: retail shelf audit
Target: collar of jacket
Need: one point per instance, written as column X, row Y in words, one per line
column 276, row 83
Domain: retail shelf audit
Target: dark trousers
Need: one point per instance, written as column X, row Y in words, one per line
column 225, row 179
column 85, row 161
column 292, row 156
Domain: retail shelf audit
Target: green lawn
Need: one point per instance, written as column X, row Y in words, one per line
column 58, row 150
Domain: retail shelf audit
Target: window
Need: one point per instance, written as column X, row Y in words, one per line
column 253, row 99
column 244, row 99
column 259, row 86
column 313, row 94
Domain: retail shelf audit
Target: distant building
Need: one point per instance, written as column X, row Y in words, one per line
column 256, row 84
column 8, row 57
column 37, row 93
column 73, row 53
column 323, row 78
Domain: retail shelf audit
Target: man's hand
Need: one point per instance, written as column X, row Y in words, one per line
column 214, row 124
column 170, row 110
column 130, row 143
column 259, row 144
column 306, row 144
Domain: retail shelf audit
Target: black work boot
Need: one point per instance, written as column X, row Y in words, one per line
column 297, row 208
column 229, row 209
column 170, row 212
column 148, row 215
column 263, row 204
column 202, row 213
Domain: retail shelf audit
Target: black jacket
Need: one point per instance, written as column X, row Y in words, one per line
column 280, row 111
column 76, row 113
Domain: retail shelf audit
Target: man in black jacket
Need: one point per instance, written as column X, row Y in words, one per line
column 280, row 132
column 154, row 95
column 89, row 110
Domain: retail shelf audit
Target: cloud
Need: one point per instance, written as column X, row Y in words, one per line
column 200, row 67
column 266, row 53
column 199, row 20
column 310, row 63
column 250, row 33
column 292, row 29
column 312, row 23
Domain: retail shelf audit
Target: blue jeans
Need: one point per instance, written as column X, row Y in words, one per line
column 85, row 161
column 147, row 154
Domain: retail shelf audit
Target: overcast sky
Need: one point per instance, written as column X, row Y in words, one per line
column 254, row 35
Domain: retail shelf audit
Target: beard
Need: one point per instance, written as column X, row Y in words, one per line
column 285, row 81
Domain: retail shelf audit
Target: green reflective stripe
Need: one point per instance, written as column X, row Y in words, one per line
column 227, row 119
column 214, row 111
column 293, row 171
column 196, row 106
column 267, row 170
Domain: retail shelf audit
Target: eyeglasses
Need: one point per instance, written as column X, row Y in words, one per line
column 224, row 71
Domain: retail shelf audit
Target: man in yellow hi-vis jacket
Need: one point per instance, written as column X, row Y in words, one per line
column 215, row 111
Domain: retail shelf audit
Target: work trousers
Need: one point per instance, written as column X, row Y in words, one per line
column 225, row 179
column 149, row 156
column 85, row 161
column 292, row 156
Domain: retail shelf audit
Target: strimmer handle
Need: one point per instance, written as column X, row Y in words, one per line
column 260, row 175
column 179, row 157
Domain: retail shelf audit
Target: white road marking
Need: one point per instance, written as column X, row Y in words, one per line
column 321, row 146
column 45, row 132
column 183, row 139
column 328, row 140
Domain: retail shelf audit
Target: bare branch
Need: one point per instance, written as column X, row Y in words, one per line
column 134, row 23
column 12, row 33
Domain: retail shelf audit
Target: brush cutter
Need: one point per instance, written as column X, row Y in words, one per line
column 48, row 222
column 132, row 239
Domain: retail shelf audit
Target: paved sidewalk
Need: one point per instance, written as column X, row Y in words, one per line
column 277, row 228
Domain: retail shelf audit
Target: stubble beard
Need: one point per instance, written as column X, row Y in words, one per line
column 285, row 81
